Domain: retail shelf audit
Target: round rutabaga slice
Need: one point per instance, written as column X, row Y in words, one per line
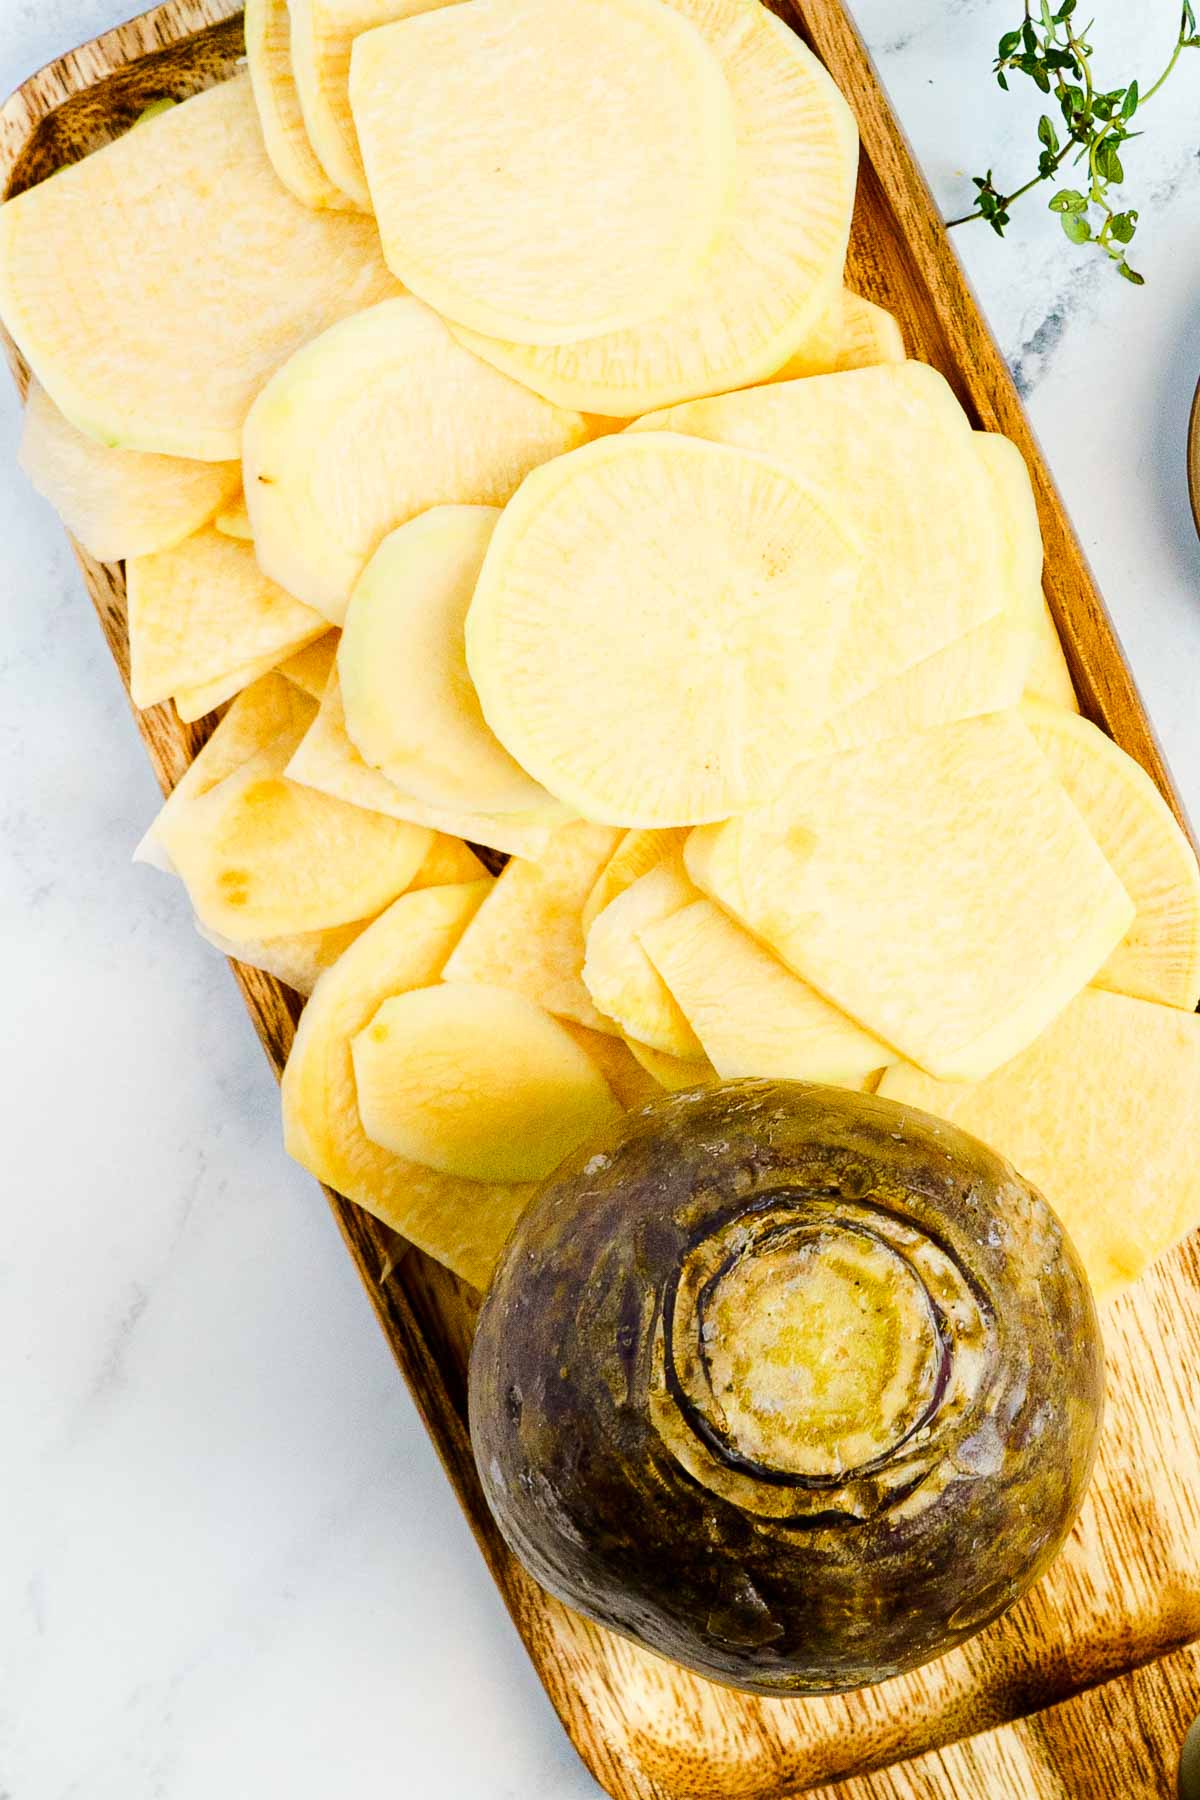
column 545, row 172
column 462, row 1223
column 411, row 710
column 269, row 58
column 1159, row 957
column 655, row 624
column 370, row 424
column 118, row 503
column 777, row 263
column 203, row 610
column 478, row 1082
column 261, row 856
column 322, row 36
column 155, row 285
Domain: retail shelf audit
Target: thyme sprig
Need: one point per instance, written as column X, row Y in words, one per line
column 1095, row 124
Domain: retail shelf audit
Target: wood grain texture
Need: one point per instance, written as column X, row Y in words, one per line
column 1126, row 1590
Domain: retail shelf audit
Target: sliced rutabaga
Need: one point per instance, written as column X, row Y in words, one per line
column 777, row 263
column 155, row 285
column 327, row 760
column 118, row 503
column 411, row 709
column 460, row 1220
column 619, row 975
column 1102, row 1112
column 372, row 423
column 677, row 673
column 987, row 668
column 750, row 1013
column 1159, row 957
column 323, row 33
column 529, row 934
column 463, row 1223
column 203, row 610
column 893, row 445
column 478, row 1082
column 269, row 58
column 942, row 889
column 597, row 211
column 262, row 856
column 637, row 853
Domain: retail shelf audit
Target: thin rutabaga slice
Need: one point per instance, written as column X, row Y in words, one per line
column 411, row 709
column 118, row 503
column 777, row 263
column 371, row 423
column 893, row 445
column 269, row 58
column 678, row 671
column 203, row 609
column 1159, row 956
column 942, row 889
column 326, row 759
column 544, row 172
column 323, row 33
column 155, row 285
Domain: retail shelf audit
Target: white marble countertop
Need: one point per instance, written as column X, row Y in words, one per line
column 229, row 1562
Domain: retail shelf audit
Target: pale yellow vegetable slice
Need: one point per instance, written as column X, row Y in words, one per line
column 265, row 712
column 269, row 58
column 681, row 667
column 777, row 262
column 155, row 285
column 233, row 519
column 1159, row 957
column 528, row 936
column 310, row 668
column 323, row 34
column 327, row 760
column 447, row 861
column 858, row 335
column 269, row 713
column 478, row 1082
column 203, row 608
column 411, row 709
column 620, row 976
column 632, row 1085
column 462, row 1223
column 982, row 671
column 1102, row 1113
column 597, row 211
column 819, row 352
column 870, row 335
column 298, row 960
column 894, row 442
column 1015, row 503
column 262, row 856
column 302, row 957
column 942, row 889
column 370, row 424
column 198, row 702
column 117, row 503
column 1049, row 678
column 751, row 1015
column 672, row 1072
column 986, row 669
column 637, row 853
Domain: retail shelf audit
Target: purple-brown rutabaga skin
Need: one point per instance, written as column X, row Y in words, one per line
column 635, row 1448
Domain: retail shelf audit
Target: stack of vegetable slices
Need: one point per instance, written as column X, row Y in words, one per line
column 473, row 396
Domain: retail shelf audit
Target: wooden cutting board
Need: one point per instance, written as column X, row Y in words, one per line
column 1126, row 1590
